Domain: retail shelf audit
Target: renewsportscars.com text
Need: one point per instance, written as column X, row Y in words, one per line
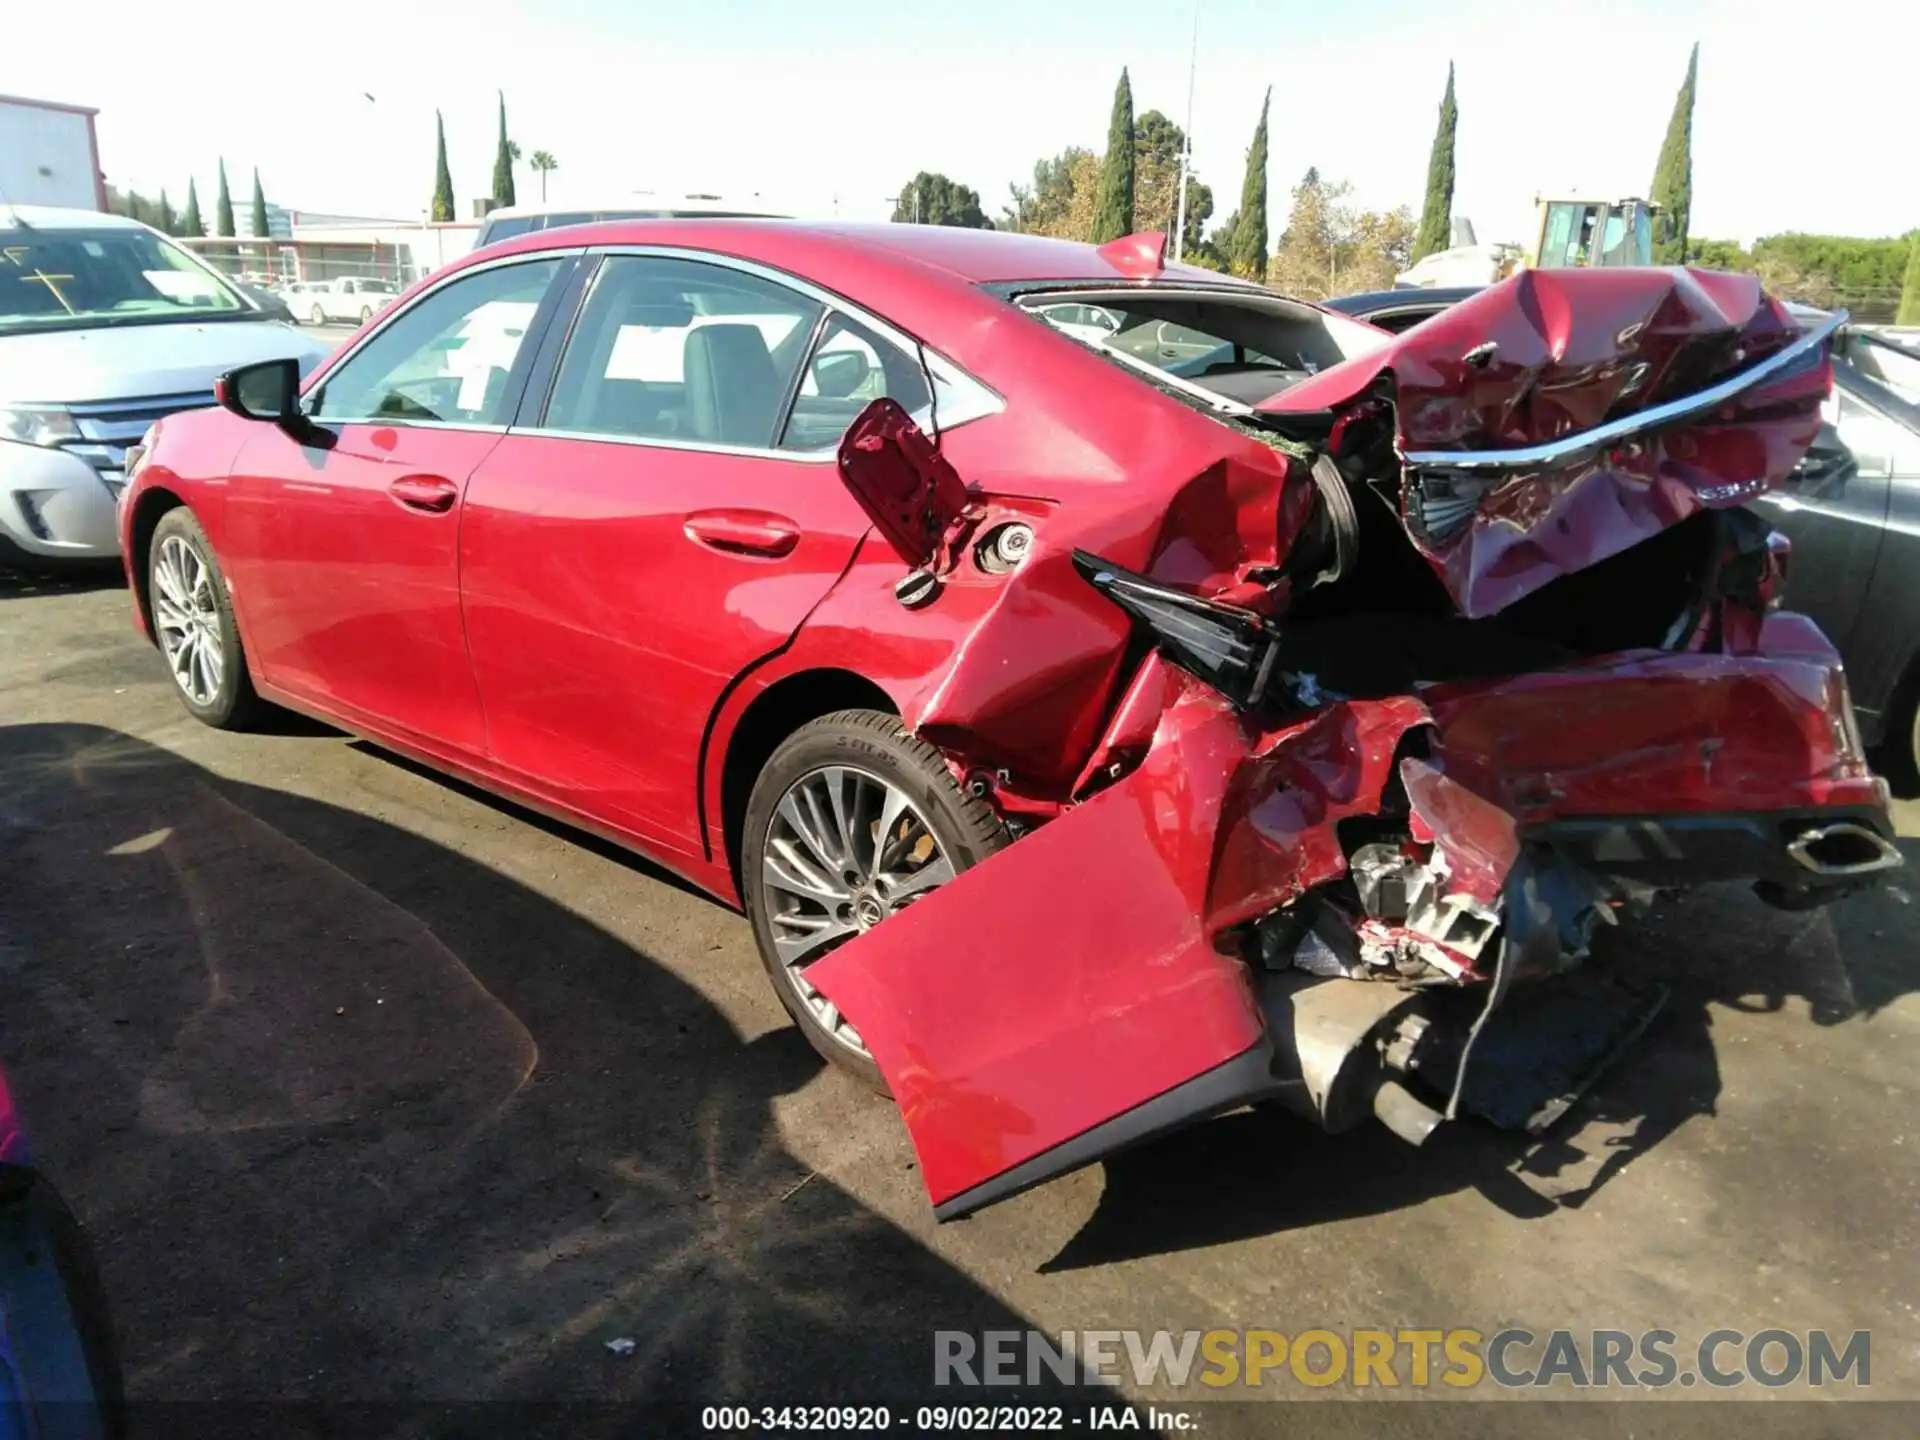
column 1459, row 1358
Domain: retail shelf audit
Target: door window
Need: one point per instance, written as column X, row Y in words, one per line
column 849, row 369
column 445, row 359
column 680, row 350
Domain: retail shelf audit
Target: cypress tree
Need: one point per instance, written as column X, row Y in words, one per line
column 190, row 221
column 1436, row 216
column 503, row 161
column 1910, row 287
column 1673, row 176
column 1113, row 210
column 259, row 206
column 1247, row 248
column 168, row 222
column 442, row 177
column 223, row 206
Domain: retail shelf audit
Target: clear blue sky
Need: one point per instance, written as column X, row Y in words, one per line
column 834, row 107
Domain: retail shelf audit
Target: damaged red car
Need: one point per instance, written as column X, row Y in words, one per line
column 1115, row 694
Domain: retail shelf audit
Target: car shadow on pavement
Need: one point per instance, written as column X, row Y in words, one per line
column 22, row 582
column 354, row 1119
column 1265, row 1171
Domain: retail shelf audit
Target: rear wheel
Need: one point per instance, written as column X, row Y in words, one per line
column 316, row 316
column 366, row 313
column 193, row 622
column 852, row 820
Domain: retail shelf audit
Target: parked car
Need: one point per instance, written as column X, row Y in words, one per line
column 1851, row 509
column 59, row 1366
column 1092, row 748
column 354, row 298
column 297, row 296
column 105, row 326
column 509, row 221
column 267, row 302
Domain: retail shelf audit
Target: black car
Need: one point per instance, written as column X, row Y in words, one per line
column 1851, row 509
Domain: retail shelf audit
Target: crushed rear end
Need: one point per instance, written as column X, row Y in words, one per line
column 1509, row 666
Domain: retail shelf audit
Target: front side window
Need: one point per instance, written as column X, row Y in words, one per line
column 446, row 358
column 669, row 349
column 54, row 279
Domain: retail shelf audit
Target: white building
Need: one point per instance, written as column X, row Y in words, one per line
column 49, row 155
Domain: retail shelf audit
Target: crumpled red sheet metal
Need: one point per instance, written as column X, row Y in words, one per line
column 1570, row 350
column 1029, row 687
column 1080, row 973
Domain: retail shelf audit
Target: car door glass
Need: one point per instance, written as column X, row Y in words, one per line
column 849, row 369
column 681, row 350
column 446, row 358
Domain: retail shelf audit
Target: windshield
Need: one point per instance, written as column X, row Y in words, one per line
column 58, row 279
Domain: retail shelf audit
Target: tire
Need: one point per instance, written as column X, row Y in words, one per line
column 214, row 685
column 316, row 316
column 366, row 313
column 868, row 758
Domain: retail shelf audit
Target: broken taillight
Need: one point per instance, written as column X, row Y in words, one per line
column 1231, row 649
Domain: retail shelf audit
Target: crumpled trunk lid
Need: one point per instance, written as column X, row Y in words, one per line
column 1548, row 422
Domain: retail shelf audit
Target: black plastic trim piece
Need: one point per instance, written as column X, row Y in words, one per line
column 1236, row 1082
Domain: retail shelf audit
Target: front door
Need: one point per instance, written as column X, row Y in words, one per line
column 342, row 544
column 670, row 519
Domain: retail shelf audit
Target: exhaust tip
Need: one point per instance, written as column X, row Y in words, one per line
column 1844, row 850
column 1404, row 1113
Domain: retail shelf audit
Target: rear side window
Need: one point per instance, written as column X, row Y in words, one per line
column 849, row 369
column 679, row 350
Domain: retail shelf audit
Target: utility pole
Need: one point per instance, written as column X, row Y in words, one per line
column 1186, row 141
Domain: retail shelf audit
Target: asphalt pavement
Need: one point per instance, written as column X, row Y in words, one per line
column 372, row 1088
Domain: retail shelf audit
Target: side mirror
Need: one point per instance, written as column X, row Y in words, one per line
column 839, row 373
column 268, row 390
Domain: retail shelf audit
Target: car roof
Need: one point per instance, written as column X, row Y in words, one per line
column 58, row 217
column 982, row 257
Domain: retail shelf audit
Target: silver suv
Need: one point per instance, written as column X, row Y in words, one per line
column 105, row 326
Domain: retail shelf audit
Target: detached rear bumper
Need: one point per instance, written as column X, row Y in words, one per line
column 1147, row 959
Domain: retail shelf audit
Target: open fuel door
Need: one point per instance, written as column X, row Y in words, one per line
column 914, row 497
column 1063, row 999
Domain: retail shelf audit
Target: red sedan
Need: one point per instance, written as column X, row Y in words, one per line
column 1219, row 699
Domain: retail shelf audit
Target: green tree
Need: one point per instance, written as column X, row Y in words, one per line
column 1158, row 144
column 1247, row 245
column 1436, row 215
column 1113, row 209
column 1719, row 255
column 223, row 206
column 168, row 221
column 1909, row 312
column 933, row 199
column 543, row 165
column 1045, row 207
column 1673, row 176
column 260, row 227
column 504, row 154
column 1328, row 248
column 442, row 177
column 190, row 221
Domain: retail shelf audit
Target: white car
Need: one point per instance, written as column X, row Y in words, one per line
column 1089, row 324
column 105, row 326
column 354, row 299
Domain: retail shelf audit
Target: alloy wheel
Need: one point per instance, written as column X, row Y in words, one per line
column 845, row 850
column 186, row 615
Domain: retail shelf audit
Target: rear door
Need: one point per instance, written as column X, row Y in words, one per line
column 667, row 517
